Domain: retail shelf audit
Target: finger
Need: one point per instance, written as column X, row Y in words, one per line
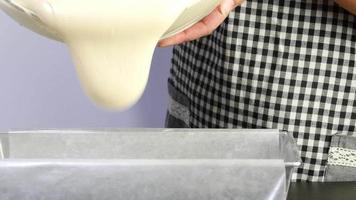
column 200, row 29
column 238, row 2
column 227, row 5
column 176, row 39
column 205, row 27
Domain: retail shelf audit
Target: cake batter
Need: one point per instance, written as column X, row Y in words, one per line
column 112, row 41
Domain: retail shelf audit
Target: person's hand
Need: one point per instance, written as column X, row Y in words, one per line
column 206, row 26
column 349, row 5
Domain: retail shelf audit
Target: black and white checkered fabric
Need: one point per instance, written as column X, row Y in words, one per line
column 280, row 64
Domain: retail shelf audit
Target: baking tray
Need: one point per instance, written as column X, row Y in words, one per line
column 147, row 164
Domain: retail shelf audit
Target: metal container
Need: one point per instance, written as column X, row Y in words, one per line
column 146, row 164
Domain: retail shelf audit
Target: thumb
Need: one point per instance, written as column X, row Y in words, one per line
column 227, row 6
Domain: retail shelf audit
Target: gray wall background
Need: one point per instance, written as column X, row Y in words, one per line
column 39, row 88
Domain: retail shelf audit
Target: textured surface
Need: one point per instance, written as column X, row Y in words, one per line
column 144, row 180
column 144, row 144
column 143, row 164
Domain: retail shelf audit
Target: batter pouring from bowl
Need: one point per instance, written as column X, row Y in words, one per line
column 111, row 41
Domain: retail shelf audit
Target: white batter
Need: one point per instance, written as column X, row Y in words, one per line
column 112, row 41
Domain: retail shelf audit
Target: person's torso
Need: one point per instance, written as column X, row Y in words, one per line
column 289, row 65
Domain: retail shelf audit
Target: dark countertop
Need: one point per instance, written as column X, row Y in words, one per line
column 322, row 191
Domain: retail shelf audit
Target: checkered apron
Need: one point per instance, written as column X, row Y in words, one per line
column 279, row 64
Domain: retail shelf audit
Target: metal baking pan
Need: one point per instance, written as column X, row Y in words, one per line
column 146, row 164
